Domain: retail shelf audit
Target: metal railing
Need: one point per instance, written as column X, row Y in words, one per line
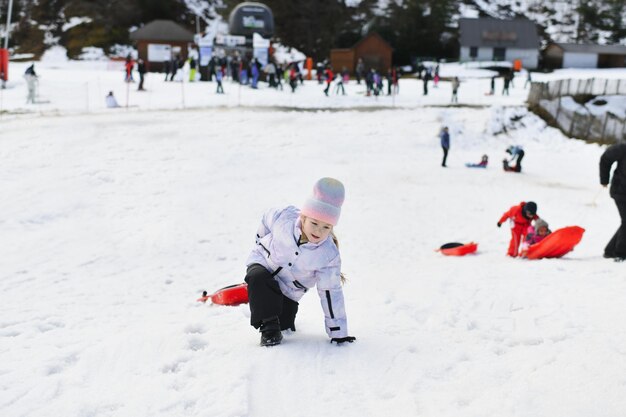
column 573, row 87
column 546, row 100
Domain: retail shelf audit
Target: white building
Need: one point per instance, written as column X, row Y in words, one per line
column 573, row 55
column 489, row 39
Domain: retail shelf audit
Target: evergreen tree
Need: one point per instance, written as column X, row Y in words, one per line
column 615, row 20
column 420, row 28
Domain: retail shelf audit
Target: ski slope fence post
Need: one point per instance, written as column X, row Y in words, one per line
column 606, row 120
column 98, row 88
column 558, row 110
column 127, row 93
column 182, row 91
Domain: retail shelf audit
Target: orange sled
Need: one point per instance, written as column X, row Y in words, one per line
column 232, row 295
column 557, row 243
column 458, row 249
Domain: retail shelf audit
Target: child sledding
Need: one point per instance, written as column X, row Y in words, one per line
column 555, row 244
column 537, row 241
column 534, row 235
column 484, row 161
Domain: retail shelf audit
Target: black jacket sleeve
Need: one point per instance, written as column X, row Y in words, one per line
column 614, row 153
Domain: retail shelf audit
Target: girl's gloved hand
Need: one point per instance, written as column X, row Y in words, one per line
column 340, row 340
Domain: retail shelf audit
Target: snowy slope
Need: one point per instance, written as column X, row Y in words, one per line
column 70, row 87
column 113, row 223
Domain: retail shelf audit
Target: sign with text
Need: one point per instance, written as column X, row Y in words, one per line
column 499, row 36
column 159, row 53
column 247, row 18
column 230, row 40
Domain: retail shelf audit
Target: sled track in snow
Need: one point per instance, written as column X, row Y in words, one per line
column 18, row 114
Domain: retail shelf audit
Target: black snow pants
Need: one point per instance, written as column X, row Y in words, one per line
column 518, row 162
column 266, row 299
column 445, row 156
column 616, row 248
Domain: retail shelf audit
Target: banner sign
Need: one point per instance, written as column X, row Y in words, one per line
column 246, row 18
column 205, row 55
column 259, row 42
column 159, row 52
column 261, row 54
column 230, row 40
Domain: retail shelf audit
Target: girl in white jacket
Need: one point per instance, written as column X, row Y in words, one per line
column 295, row 252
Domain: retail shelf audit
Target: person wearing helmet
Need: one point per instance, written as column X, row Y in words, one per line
column 520, row 217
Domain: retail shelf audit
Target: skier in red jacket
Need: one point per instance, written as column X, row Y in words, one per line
column 328, row 73
column 520, row 217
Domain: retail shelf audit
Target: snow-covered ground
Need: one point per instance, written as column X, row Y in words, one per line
column 80, row 87
column 113, row 223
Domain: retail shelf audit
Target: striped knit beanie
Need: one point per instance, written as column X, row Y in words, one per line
column 325, row 204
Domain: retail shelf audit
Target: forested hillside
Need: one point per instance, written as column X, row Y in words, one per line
column 426, row 28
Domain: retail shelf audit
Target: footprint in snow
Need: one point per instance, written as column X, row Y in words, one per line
column 195, row 344
column 196, row 328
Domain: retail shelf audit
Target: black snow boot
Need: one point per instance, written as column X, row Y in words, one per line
column 270, row 332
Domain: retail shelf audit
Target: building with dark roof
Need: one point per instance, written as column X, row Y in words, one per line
column 489, row 39
column 372, row 49
column 574, row 55
column 160, row 41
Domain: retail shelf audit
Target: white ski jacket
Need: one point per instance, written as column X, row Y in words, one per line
column 298, row 268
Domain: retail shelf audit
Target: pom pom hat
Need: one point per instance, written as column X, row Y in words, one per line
column 539, row 223
column 325, row 204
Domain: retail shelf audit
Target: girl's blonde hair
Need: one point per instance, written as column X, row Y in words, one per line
column 341, row 274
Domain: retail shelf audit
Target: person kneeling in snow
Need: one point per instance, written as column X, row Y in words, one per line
column 535, row 234
column 520, row 218
column 517, row 154
column 296, row 251
column 111, row 102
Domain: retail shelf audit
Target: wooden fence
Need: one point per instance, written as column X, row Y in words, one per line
column 548, row 98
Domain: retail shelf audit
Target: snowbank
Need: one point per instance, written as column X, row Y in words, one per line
column 113, row 223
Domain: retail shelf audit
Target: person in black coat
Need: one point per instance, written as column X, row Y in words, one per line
column 174, row 66
column 425, row 80
column 166, row 69
column 141, row 69
column 616, row 248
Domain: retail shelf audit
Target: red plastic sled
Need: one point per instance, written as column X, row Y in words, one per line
column 557, row 243
column 232, row 295
column 458, row 249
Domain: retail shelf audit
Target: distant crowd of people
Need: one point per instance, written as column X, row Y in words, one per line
column 249, row 71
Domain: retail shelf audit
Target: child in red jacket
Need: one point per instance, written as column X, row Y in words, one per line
column 520, row 218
